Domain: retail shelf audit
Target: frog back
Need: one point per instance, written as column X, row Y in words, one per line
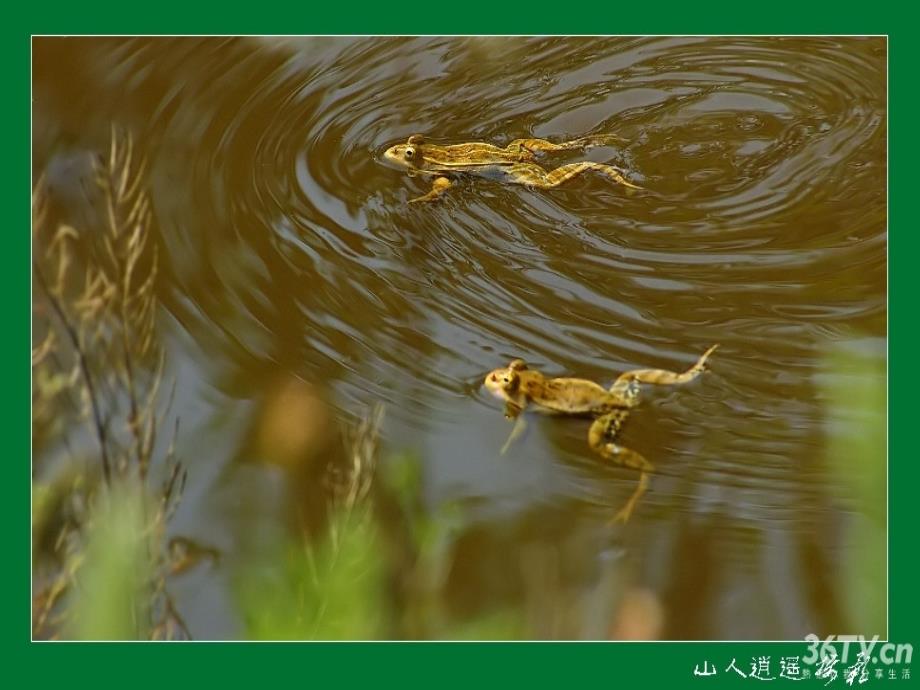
column 460, row 156
column 571, row 396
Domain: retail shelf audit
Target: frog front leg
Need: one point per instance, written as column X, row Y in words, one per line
column 438, row 187
column 514, row 411
column 627, row 384
column 600, row 437
column 515, row 400
column 520, row 426
column 533, row 175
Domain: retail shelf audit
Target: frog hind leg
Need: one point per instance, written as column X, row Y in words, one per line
column 438, row 187
column 627, row 384
column 580, row 143
column 535, row 176
column 600, row 437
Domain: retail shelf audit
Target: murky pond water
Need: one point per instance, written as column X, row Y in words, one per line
column 288, row 251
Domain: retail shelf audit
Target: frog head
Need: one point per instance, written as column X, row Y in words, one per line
column 504, row 382
column 406, row 155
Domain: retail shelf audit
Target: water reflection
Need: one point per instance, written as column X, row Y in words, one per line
column 288, row 251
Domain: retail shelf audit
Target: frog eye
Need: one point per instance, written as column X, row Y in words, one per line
column 410, row 152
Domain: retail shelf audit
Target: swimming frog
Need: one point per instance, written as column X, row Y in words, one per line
column 512, row 164
column 521, row 387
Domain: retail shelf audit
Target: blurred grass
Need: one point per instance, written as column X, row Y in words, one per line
column 855, row 387
column 113, row 590
column 342, row 586
column 106, row 485
column 332, row 591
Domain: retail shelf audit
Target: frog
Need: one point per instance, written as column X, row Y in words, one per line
column 523, row 388
column 513, row 164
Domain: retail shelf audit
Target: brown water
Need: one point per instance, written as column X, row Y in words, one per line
column 287, row 250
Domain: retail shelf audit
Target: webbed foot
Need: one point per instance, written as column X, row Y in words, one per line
column 438, row 187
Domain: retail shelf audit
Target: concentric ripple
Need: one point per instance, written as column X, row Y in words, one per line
column 762, row 227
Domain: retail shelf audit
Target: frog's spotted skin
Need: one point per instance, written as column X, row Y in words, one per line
column 521, row 387
column 512, row 164
column 533, row 175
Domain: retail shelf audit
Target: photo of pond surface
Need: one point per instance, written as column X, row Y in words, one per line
column 309, row 345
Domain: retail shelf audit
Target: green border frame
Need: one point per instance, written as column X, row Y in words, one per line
column 436, row 664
